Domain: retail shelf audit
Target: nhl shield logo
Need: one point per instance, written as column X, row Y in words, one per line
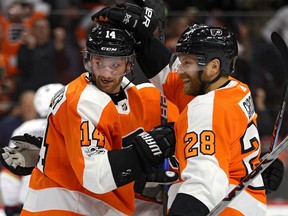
column 216, row 32
column 124, row 107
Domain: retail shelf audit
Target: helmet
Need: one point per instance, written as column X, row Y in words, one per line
column 43, row 97
column 109, row 41
column 207, row 43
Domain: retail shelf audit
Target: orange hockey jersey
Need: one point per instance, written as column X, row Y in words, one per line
column 217, row 144
column 71, row 178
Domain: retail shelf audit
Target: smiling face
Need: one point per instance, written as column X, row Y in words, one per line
column 188, row 72
column 108, row 72
column 199, row 79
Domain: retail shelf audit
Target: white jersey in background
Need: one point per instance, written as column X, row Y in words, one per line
column 14, row 188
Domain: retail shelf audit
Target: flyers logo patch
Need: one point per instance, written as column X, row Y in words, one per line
column 216, row 32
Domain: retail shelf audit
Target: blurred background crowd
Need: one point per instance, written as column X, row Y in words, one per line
column 41, row 43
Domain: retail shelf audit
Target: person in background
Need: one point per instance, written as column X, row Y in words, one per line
column 175, row 26
column 13, row 24
column 14, row 188
column 22, row 111
column 7, row 87
column 44, row 59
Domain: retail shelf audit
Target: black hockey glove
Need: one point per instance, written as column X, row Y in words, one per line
column 153, row 146
column 21, row 159
column 140, row 21
column 152, row 185
column 273, row 175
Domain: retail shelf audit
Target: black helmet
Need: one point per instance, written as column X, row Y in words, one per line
column 110, row 41
column 207, row 43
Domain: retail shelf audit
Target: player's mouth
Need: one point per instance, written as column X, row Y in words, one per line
column 186, row 81
column 106, row 82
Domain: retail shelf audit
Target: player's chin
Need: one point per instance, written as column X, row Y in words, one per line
column 187, row 89
column 113, row 89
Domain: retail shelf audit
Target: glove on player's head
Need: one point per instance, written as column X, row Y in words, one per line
column 140, row 21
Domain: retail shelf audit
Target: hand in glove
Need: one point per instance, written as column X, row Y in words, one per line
column 273, row 175
column 21, row 159
column 153, row 146
column 147, row 150
column 151, row 186
column 140, row 21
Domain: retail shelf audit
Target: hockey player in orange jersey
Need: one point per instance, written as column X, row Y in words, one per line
column 217, row 142
column 82, row 169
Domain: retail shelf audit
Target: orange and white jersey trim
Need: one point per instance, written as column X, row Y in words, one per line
column 62, row 199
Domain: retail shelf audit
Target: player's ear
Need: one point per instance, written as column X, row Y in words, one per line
column 214, row 66
column 129, row 66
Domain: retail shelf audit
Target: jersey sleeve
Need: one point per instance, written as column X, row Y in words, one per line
column 153, row 56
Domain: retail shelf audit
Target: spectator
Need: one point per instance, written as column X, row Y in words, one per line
column 7, row 89
column 13, row 24
column 23, row 112
column 175, row 26
column 43, row 59
column 265, row 119
column 266, row 62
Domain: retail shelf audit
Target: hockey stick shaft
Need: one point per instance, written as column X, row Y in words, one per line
column 267, row 160
column 159, row 7
column 279, row 119
column 164, row 119
column 281, row 46
column 274, row 150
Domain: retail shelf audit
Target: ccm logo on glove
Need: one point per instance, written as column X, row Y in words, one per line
column 151, row 143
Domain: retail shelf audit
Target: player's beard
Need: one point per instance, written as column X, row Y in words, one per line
column 191, row 84
column 108, row 85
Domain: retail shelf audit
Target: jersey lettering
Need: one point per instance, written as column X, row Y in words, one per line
column 43, row 150
column 151, row 143
column 247, row 106
column 206, row 145
column 96, row 135
column 250, row 143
